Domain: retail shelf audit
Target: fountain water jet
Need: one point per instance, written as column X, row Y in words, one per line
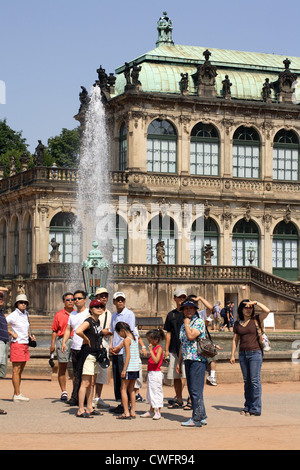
column 93, row 192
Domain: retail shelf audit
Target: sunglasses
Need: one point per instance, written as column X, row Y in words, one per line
column 98, row 306
column 1, row 296
column 78, row 298
column 69, row 300
column 24, row 303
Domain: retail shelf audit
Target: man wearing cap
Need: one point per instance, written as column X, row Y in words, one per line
column 4, row 340
column 105, row 322
column 172, row 326
column 122, row 314
column 59, row 325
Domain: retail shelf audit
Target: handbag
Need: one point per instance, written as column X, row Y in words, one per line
column 205, row 346
column 262, row 338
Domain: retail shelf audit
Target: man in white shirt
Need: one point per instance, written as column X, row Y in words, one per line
column 76, row 318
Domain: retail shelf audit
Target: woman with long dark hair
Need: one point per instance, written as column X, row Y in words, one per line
column 250, row 353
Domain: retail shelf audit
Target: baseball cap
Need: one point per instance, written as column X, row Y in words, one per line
column 119, row 294
column 179, row 292
column 101, row 290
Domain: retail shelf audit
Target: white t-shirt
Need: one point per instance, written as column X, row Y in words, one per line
column 20, row 325
column 75, row 320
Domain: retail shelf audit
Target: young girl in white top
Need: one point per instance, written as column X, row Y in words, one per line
column 155, row 376
column 131, row 368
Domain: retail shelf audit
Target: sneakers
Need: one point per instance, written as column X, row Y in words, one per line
column 190, row 423
column 211, row 381
column 139, row 398
column 157, row 415
column 20, row 398
column 64, row 396
column 99, row 403
column 147, row 415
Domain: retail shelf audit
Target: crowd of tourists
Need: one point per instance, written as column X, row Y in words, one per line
column 90, row 339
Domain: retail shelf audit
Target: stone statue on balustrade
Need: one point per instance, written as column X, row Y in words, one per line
column 55, row 253
column 38, row 157
column 208, row 254
column 226, row 91
column 160, row 252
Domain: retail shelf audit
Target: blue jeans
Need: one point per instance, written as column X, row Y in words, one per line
column 251, row 362
column 195, row 375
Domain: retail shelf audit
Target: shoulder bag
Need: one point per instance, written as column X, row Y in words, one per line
column 262, row 337
column 205, row 346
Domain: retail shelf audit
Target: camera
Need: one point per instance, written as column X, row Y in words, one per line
column 51, row 361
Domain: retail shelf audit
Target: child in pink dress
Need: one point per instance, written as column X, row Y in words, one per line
column 155, row 377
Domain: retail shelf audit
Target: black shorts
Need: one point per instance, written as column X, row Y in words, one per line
column 132, row 375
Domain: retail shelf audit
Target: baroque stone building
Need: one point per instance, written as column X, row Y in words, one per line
column 204, row 148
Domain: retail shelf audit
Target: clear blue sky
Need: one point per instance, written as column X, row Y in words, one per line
column 49, row 48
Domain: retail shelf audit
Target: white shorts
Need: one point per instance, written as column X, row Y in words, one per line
column 90, row 366
column 172, row 374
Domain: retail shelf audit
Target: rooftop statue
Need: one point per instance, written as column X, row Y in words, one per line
column 164, row 28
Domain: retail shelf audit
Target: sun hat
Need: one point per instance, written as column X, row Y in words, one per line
column 21, row 298
column 188, row 303
column 119, row 294
column 101, row 290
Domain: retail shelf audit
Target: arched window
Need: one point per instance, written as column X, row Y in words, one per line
column 204, row 150
column 120, row 241
column 62, row 229
column 199, row 239
column 245, row 234
column 161, row 229
column 161, row 147
column 28, row 246
column 285, row 251
column 246, row 153
column 16, row 247
column 286, row 156
column 123, row 147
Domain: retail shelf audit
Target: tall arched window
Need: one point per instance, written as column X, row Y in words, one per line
column 16, row 247
column 199, row 239
column 62, row 229
column 285, row 251
column 123, row 147
column 246, row 153
column 120, row 241
column 286, row 156
column 204, row 150
column 161, row 147
column 161, row 229
column 245, row 234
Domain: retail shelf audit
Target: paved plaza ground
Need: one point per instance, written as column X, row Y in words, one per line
column 47, row 423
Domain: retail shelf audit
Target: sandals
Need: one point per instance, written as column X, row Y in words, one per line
column 176, row 404
column 85, row 415
column 188, row 405
column 2, row 412
column 244, row 413
column 124, row 417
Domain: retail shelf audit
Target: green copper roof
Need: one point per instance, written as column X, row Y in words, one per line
column 162, row 68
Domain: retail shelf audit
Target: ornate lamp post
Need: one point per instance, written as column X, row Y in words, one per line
column 95, row 271
column 251, row 253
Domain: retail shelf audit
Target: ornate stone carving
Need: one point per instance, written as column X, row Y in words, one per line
column 226, row 88
column 184, row 83
column 160, row 252
column 206, row 77
column 285, row 85
column 38, row 157
column 208, row 254
column 55, row 253
column 164, row 28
